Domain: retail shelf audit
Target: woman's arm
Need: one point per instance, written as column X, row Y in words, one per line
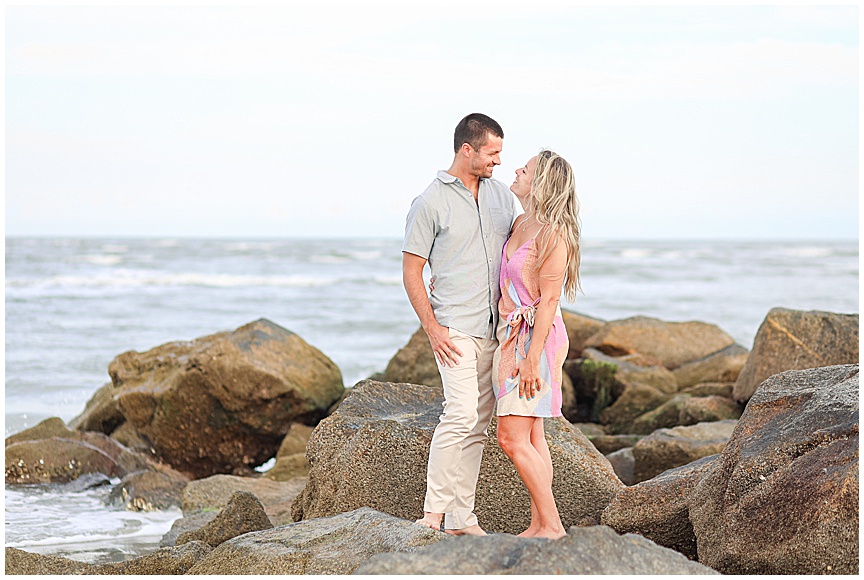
column 551, row 282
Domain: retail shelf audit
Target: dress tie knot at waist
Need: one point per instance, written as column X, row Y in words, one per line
column 522, row 321
column 522, row 314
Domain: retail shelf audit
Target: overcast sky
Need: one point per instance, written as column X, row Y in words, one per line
column 680, row 122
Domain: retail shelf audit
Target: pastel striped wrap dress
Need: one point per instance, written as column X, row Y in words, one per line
column 520, row 295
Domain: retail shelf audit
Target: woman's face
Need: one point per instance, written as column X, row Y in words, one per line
column 524, row 176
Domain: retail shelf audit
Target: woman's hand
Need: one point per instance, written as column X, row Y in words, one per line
column 529, row 377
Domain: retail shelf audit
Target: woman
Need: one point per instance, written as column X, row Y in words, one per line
column 541, row 257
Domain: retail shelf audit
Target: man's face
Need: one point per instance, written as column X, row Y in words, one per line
column 484, row 159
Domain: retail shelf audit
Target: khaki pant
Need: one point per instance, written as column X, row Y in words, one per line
column 457, row 445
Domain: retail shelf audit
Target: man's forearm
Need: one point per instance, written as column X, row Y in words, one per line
column 416, row 290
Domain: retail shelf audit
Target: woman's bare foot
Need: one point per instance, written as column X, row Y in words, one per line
column 550, row 533
column 431, row 520
column 474, row 530
column 529, row 533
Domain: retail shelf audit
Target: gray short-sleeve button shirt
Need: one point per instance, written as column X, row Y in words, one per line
column 462, row 241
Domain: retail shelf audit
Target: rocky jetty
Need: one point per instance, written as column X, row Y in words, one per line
column 374, row 449
column 692, row 477
column 219, row 404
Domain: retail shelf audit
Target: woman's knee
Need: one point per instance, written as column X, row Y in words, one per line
column 508, row 439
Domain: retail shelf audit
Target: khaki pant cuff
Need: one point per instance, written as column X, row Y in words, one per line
column 459, row 520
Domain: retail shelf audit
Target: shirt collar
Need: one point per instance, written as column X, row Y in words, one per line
column 445, row 177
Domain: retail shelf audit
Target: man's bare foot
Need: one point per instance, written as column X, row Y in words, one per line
column 529, row 533
column 431, row 520
column 474, row 530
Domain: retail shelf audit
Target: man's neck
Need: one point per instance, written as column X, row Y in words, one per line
column 472, row 182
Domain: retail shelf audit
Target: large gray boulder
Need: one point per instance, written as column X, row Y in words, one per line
column 592, row 550
column 221, row 403
column 374, row 449
column 671, row 343
column 333, row 545
column 782, row 497
column 668, row 448
column 657, row 508
column 795, row 340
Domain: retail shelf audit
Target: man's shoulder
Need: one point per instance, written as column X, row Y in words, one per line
column 434, row 192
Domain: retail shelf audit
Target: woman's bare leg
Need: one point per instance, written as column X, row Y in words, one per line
column 515, row 438
column 535, row 522
column 538, row 441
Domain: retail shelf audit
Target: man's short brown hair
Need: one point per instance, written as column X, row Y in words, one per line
column 474, row 130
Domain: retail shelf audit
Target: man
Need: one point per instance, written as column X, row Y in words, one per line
column 460, row 224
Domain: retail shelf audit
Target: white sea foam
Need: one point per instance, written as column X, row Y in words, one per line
column 807, row 252
column 47, row 516
column 99, row 260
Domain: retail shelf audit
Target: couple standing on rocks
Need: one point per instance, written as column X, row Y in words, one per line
column 488, row 266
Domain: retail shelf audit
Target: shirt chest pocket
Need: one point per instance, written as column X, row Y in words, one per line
column 501, row 218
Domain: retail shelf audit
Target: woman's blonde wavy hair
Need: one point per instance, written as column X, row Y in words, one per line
column 554, row 203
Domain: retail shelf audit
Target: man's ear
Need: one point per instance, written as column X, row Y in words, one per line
column 466, row 150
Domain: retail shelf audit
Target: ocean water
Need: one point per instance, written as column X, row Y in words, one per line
column 72, row 305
